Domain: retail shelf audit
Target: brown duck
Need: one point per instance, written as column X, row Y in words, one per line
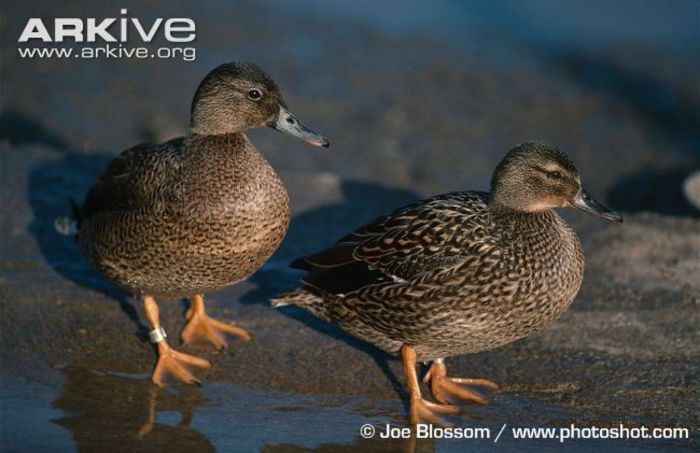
column 457, row 273
column 196, row 213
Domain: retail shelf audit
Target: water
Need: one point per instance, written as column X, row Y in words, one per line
column 93, row 410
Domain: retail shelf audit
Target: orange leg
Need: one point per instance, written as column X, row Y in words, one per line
column 450, row 390
column 169, row 361
column 200, row 327
column 147, row 427
column 421, row 410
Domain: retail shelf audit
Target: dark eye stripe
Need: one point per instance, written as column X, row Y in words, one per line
column 555, row 174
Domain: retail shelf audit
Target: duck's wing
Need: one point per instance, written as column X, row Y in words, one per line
column 439, row 232
column 134, row 178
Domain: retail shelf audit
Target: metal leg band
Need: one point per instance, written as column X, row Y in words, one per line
column 157, row 335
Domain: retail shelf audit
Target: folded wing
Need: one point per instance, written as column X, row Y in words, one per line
column 434, row 233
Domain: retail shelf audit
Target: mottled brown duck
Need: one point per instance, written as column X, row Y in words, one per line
column 457, row 273
column 194, row 214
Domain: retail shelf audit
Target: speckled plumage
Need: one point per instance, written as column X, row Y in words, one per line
column 185, row 217
column 194, row 214
column 199, row 212
column 457, row 273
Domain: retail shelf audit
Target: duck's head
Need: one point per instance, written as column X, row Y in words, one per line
column 535, row 177
column 239, row 96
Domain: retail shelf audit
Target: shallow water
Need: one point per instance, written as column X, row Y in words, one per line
column 91, row 410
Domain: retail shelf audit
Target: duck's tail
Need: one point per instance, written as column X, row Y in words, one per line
column 69, row 225
column 300, row 297
column 317, row 304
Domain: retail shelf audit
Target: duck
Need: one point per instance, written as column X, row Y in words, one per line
column 457, row 273
column 194, row 214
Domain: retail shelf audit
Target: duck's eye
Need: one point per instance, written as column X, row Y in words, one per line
column 554, row 174
column 254, row 95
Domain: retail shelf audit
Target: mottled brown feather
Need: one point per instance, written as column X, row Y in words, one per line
column 185, row 217
column 457, row 273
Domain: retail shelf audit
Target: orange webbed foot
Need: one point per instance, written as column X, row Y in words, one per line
column 201, row 328
column 451, row 390
column 424, row 411
column 176, row 364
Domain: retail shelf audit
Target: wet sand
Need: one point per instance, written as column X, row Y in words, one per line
column 408, row 115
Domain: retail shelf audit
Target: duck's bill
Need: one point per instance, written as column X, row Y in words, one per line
column 286, row 122
column 585, row 202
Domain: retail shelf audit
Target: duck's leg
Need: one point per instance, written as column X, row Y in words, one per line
column 450, row 390
column 200, row 327
column 170, row 361
column 421, row 410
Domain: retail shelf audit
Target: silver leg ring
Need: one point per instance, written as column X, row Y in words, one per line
column 157, row 335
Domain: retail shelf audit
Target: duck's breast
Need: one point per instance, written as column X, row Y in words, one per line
column 545, row 266
column 234, row 206
column 536, row 275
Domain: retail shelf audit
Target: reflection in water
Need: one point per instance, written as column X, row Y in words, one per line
column 109, row 412
column 127, row 413
column 365, row 445
column 120, row 413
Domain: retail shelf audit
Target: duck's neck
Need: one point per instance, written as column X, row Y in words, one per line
column 542, row 234
column 526, row 224
column 203, row 122
column 222, row 143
